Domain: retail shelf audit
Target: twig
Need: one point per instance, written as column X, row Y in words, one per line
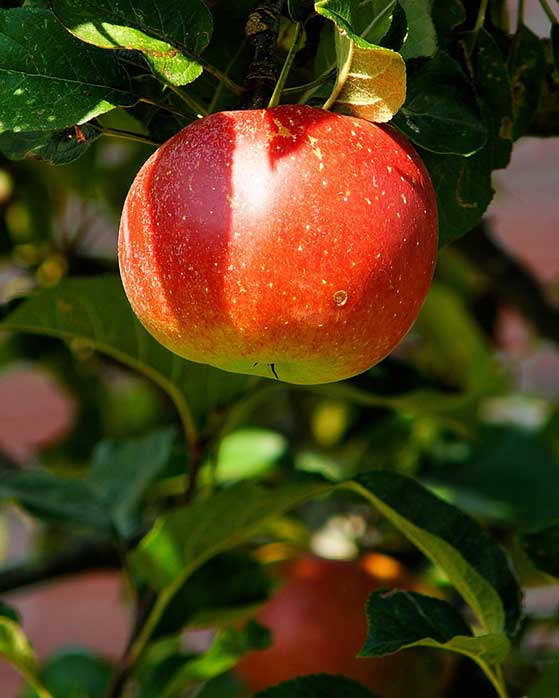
column 127, row 135
column 79, row 558
column 515, row 285
column 191, row 103
column 126, row 663
column 262, row 30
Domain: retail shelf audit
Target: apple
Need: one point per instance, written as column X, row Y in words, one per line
column 318, row 625
column 289, row 242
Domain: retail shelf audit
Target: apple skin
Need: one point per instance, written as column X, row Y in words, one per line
column 288, row 242
column 318, row 625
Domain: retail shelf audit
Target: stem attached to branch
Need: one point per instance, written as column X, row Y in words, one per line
column 276, row 95
column 480, row 21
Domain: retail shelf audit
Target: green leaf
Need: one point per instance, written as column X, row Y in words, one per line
column 55, row 499
column 344, row 13
column 49, row 80
column 496, row 472
column 402, row 619
column 166, row 556
column 473, row 562
column 527, row 64
column 229, row 645
column 318, row 686
column 54, row 147
column 555, row 45
column 371, row 80
column 9, row 612
column 463, row 185
column 491, row 80
column 422, row 38
column 542, row 547
column 374, row 18
column 248, row 452
column 440, row 111
column 75, row 673
column 122, row 471
column 15, row 648
column 224, row 686
column 470, row 363
column 396, row 34
column 94, row 312
column 170, row 35
column 545, row 686
column 463, row 188
column 229, row 586
column 447, row 15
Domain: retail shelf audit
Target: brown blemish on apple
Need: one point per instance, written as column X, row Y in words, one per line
column 340, row 298
column 282, row 132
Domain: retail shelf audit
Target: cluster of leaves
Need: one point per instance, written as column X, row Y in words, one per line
column 73, row 72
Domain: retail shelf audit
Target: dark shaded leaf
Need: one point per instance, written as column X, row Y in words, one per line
column 440, row 112
column 122, row 471
column 9, row 612
column 421, row 39
column 402, row 619
column 395, row 36
column 542, row 547
column 227, row 583
column 50, row 80
column 447, row 15
column 492, row 84
column 463, row 188
column 497, row 472
column 318, row 686
column 527, row 66
column 74, row 673
column 56, row 148
column 471, row 559
column 55, row 499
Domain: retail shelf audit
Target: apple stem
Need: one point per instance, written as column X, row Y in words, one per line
column 481, row 15
column 276, row 95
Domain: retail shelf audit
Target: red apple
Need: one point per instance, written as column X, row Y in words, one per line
column 288, row 242
column 318, row 625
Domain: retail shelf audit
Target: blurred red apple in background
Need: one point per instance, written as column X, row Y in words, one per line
column 318, row 624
